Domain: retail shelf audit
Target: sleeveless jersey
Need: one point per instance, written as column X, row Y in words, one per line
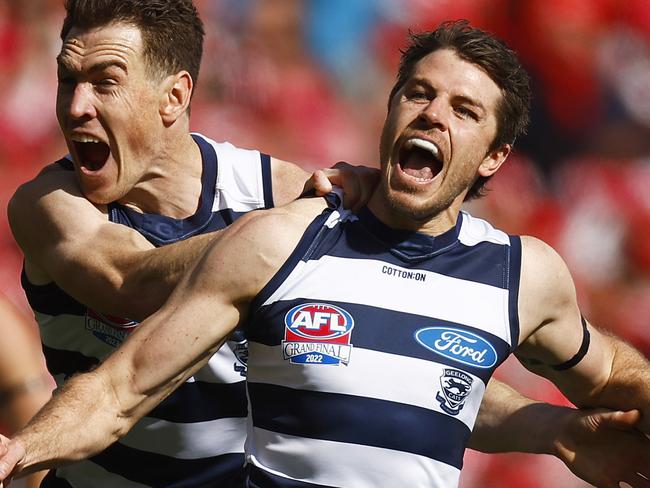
column 195, row 437
column 370, row 350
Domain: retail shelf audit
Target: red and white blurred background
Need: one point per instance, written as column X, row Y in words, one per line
column 307, row 81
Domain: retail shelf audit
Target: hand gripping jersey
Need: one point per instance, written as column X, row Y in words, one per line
column 370, row 351
column 195, row 437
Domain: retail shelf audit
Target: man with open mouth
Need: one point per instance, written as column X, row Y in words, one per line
column 124, row 114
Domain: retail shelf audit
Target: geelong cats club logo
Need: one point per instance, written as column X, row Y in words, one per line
column 239, row 346
column 317, row 333
column 455, row 387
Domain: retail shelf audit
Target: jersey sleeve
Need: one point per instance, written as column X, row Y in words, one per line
column 243, row 178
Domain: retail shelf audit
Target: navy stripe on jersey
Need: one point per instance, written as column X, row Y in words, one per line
column 159, row 470
column 256, row 478
column 160, row 229
column 334, row 417
column 67, row 363
column 392, row 340
column 513, row 279
column 267, row 181
column 453, row 259
column 408, row 246
column 50, row 299
column 200, row 401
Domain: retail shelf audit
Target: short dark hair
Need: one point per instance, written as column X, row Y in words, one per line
column 172, row 32
column 495, row 58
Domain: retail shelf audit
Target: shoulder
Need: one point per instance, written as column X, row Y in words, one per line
column 248, row 253
column 276, row 228
column 546, row 286
column 50, row 202
column 541, row 261
column 52, row 181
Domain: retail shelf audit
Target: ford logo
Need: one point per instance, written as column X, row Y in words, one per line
column 458, row 345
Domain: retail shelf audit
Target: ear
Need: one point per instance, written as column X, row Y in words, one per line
column 175, row 96
column 494, row 160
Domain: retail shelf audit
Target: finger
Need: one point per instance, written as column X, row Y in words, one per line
column 342, row 175
column 366, row 180
column 618, row 420
column 320, row 182
column 351, row 191
column 9, row 461
column 366, row 189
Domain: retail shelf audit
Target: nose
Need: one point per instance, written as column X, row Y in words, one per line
column 435, row 114
column 81, row 102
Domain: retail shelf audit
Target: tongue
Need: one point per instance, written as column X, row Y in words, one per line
column 418, row 165
column 93, row 155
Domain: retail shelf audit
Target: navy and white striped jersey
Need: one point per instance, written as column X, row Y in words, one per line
column 370, row 351
column 195, row 437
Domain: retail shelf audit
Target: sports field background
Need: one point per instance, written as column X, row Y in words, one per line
column 307, row 81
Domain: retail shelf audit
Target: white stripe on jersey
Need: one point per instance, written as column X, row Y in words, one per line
column 86, row 473
column 381, row 467
column 317, row 279
column 239, row 179
column 187, row 440
column 404, row 379
column 68, row 332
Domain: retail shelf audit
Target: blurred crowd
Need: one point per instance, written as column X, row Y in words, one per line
column 307, row 81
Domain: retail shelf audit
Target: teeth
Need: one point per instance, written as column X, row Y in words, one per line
column 85, row 138
column 422, row 144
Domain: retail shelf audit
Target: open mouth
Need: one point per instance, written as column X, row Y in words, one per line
column 420, row 159
column 92, row 152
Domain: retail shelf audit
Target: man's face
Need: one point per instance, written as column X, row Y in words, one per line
column 107, row 107
column 436, row 137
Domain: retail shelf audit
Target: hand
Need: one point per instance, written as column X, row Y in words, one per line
column 358, row 183
column 604, row 448
column 11, row 454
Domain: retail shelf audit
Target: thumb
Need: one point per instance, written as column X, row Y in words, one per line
column 319, row 182
column 618, row 419
column 13, row 454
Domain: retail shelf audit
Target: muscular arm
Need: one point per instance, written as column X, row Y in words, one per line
column 97, row 408
column 106, row 266
column 111, row 268
column 611, row 374
column 600, row 446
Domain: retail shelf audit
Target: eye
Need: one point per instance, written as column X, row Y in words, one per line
column 417, row 94
column 465, row 112
column 105, row 84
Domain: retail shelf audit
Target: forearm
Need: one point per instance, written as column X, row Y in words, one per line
column 68, row 429
column 628, row 386
column 148, row 277
column 510, row 422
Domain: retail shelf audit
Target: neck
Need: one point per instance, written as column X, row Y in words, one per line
column 171, row 185
column 434, row 224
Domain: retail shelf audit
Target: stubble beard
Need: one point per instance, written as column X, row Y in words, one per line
column 403, row 203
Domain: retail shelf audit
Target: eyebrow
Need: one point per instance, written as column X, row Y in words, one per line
column 104, row 65
column 470, row 101
column 458, row 98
